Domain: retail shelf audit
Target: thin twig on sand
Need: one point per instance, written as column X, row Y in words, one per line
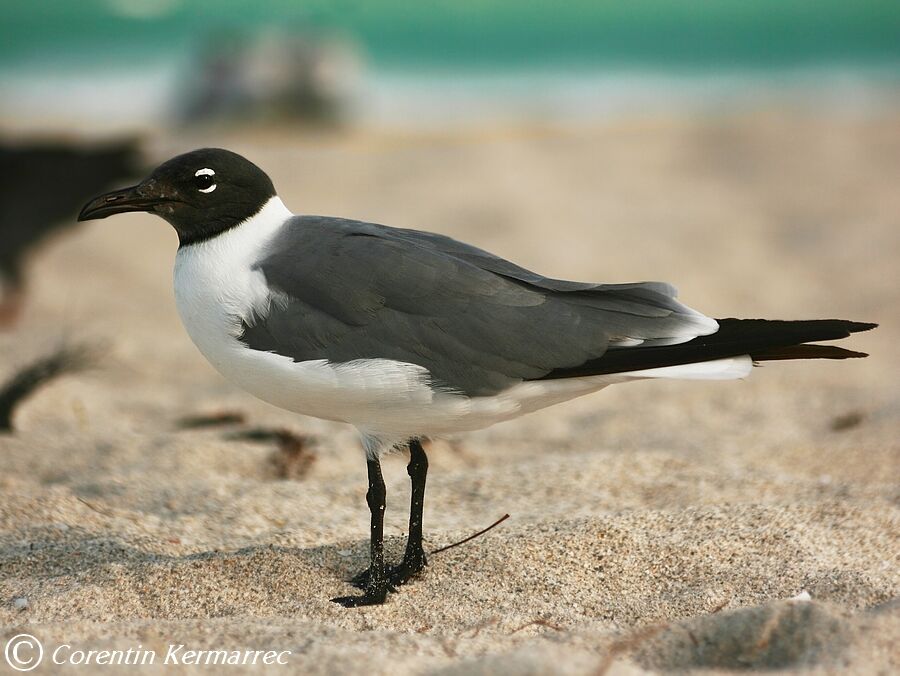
column 471, row 537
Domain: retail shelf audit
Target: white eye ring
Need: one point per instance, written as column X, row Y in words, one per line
column 206, row 172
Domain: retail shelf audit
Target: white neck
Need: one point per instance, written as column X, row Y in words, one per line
column 264, row 222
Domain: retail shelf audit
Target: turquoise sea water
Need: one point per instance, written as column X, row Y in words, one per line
column 125, row 62
column 473, row 34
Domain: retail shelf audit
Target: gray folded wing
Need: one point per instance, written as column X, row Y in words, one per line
column 348, row 290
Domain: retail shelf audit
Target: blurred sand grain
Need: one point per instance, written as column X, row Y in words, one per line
column 640, row 515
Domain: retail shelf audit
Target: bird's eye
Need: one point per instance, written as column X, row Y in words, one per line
column 204, row 180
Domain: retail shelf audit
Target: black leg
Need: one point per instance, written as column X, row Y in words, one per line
column 414, row 556
column 376, row 587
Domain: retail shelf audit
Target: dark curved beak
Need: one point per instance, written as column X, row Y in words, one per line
column 136, row 198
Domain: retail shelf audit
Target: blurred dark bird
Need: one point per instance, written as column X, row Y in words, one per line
column 42, row 184
column 409, row 334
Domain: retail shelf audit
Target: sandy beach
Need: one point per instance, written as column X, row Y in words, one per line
column 654, row 526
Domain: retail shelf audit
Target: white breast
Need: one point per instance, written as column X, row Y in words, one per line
column 216, row 286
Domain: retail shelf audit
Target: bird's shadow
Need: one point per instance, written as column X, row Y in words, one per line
column 45, row 552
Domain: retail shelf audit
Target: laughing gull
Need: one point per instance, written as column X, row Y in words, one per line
column 407, row 334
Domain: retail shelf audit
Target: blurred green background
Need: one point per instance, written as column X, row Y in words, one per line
column 474, row 33
column 148, row 62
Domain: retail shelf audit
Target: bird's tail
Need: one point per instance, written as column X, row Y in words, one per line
column 768, row 339
column 760, row 339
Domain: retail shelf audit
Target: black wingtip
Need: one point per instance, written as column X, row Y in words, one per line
column 762, row 339
column 806, row 351
column 850, row 354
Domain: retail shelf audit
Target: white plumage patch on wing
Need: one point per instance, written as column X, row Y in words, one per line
column 692, row 324
column 626, row 342
column 730, row 368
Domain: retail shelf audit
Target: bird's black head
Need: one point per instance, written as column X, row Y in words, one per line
column 201, row 193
